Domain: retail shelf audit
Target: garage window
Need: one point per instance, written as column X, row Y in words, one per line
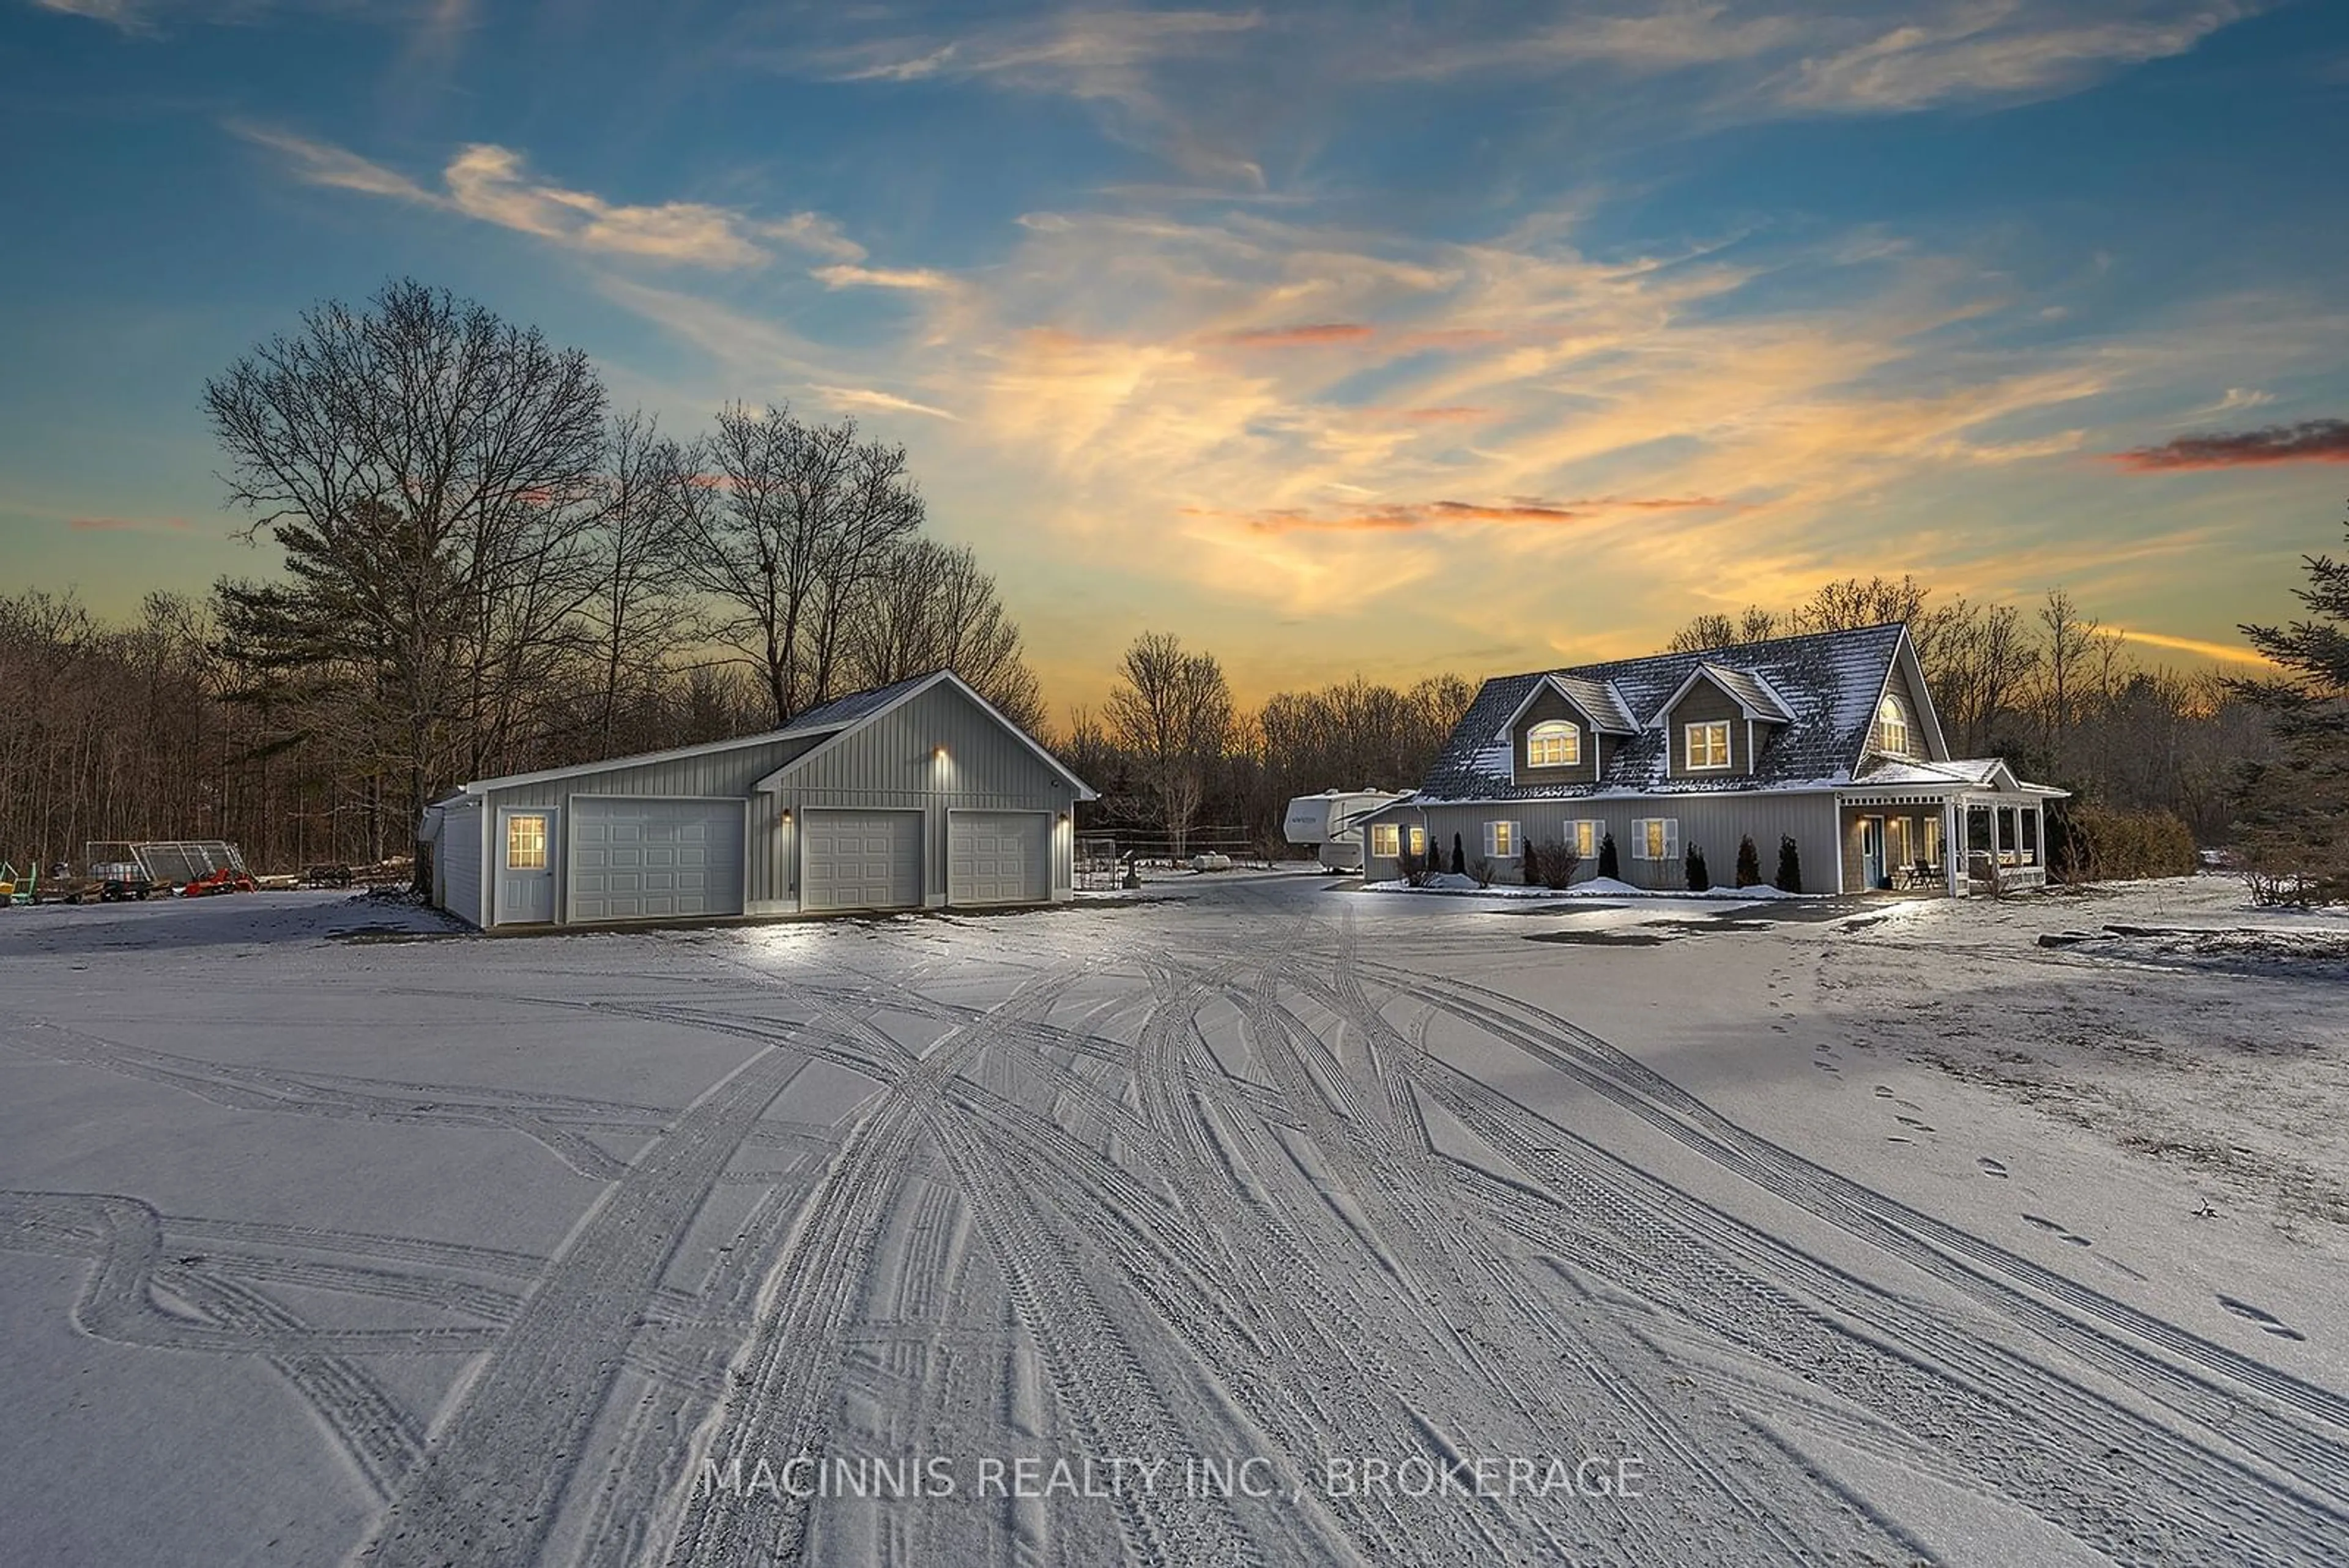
column 525, row 844
column 1386, row 839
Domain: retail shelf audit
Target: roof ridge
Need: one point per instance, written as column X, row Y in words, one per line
column 1703, row 655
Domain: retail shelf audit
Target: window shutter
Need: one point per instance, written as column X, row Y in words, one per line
column 1671, row 838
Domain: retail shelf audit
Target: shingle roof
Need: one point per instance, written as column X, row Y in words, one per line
column 1597, row 699
column 844, row 711
column 1747, row 689
column 1828, row 682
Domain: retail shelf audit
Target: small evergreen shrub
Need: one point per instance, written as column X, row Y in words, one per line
column 1608, row 865
column 1699, row 878
column 1459, row 859
column 1551, row 864
column 1790, row 865
column 1749, row 863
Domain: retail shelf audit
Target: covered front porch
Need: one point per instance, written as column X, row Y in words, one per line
column 1984, row 836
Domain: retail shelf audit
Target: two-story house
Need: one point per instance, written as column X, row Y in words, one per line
column 1829, row 739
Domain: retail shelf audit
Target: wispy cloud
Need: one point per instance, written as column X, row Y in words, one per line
column 2227, row 652
column 1998, row 49
column 1407, row 517
column 867, row 397
column 494, row 185
column 129, row 15
column 2312, row 441
column 1313, row 335
column 914, row 279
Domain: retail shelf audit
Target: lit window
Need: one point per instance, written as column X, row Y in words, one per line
column 1708, row 744
column 1503, row 839
column 1891, row 727
column 1386, row 839
column 1656, row 838
column 1419, row 841
column 1585, row 837
column 525, row 844
column 1554, row 744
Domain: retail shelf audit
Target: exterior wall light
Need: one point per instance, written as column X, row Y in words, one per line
column 939, row 755
column 786, row 817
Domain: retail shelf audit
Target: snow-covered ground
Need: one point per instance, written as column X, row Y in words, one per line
column 1248, row 1220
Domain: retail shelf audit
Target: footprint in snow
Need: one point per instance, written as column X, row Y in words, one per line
column 1992, row 1167
column 2266, row 1320
column 1882, row 1092
column 2058, row 1231
column 1912, row 1122
column 1895, row 1138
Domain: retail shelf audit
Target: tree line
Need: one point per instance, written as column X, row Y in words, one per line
column 483, row 568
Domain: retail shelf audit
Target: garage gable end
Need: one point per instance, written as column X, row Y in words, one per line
column 940, row 745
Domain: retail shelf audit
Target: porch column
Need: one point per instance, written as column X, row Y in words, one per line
column 1953, row 848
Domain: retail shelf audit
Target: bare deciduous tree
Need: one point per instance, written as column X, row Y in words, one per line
column 931, row 607
column 1171, row 709
column 426, row 468
column 789, row 536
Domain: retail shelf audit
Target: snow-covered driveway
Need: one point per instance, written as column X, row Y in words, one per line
column 1247, row 1222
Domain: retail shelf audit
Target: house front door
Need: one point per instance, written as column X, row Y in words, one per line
column 525, row 867
column 1871, row 851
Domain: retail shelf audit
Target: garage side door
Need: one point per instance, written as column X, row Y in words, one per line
column 999, row 857
column 654, row 859
column 861, row 860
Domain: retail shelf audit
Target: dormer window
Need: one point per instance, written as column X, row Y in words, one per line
column 1891, row 728
column 1554, row 744
column 1708, row 745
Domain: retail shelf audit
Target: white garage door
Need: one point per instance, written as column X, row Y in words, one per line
column 999, row 857
column 654, row 859
column 861, row 860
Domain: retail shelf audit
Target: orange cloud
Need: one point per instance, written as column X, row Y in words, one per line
column 1306, row 337
column 1412, row 516
column 2312, row 441
column 1449, row 413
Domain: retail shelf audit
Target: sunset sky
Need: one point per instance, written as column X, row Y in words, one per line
column 1370, row 337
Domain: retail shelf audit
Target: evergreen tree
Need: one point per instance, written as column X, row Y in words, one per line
column 1699, row 879
column 1790, row 865
column 1608, row 865
column 1459, row 857
column 1749, row 863
column 2295, row 811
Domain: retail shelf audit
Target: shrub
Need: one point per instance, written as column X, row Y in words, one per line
column 1699, row 878
column 1551, row 864
column 1459, row 860
column 1790, row 865
column 1608, row 865
column 1483, row 870
column 1749, row 863
column 2090, row 843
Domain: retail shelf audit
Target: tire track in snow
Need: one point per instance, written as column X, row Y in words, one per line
column 785, row 1376
column 494, row 1474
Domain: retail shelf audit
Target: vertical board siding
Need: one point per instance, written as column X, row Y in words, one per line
column 460, row 852
column 892, row 763
column 1714, row 823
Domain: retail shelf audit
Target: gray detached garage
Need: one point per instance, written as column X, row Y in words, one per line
column 916, row 796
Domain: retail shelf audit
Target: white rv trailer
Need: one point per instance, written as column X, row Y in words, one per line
column 1329, row 820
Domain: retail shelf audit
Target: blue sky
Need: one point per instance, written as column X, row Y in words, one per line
column 1373, row 337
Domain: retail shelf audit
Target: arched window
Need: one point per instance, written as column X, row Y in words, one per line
column 1891, row 727
column 1554, row 744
